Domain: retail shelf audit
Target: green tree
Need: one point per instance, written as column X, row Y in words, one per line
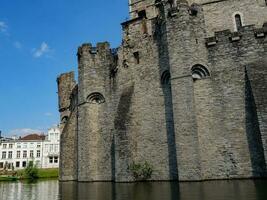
column 31, row 171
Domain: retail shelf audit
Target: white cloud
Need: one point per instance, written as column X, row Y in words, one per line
column 43, row 49
column 17, row 45
column 48, row 114
column 24, row 131
column 3, row 27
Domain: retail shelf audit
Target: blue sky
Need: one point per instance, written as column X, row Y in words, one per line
column 38, row 41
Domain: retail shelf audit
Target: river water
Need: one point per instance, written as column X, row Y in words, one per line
column 214, row 190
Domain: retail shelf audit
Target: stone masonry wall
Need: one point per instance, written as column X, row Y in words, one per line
column 237, row 139
column 143, row 103
column 219, row 15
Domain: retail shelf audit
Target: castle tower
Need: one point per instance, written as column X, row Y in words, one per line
column 68, row 138
column 66, row 83
column 94, row 139
column 184, row 27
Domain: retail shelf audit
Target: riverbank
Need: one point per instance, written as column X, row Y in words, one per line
column 20, row 175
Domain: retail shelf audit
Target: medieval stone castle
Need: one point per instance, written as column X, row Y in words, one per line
column 186, row 92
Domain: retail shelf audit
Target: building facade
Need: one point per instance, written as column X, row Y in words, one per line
column 43, row 150
column 185, row 92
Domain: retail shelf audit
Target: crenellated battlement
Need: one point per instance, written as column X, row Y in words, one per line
column 226, row 36
column 88, row 48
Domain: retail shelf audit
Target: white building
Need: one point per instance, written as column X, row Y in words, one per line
column 51, row 149
column 16, row 153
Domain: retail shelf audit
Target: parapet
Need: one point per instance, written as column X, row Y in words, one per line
column 225, row 36
column 87, row 48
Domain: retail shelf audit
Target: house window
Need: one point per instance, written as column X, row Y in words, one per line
column 10, row 146
column 24, row 164
column 10, row 154
column 51, row 148
column 38, row 146
column 31, row 145
column 4, row 146
column 18, row 154
column 18, row 145
column 238, row 21
column 55, row 159
column 56, row 147
column 1, row 165
column 37, row 163
column 50, row 159
column 38, row 154
column 3, row 155
column 17, row 164
column 9, row 165
column 31, row 153
column 46, row 148
column 24, row 154
column 25, row 145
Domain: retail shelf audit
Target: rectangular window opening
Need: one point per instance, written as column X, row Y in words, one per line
column 136, row 57
column 142, row 13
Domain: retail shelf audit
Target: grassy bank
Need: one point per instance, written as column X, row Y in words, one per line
column 8, row 178
column 47, row 173
column 20, row 175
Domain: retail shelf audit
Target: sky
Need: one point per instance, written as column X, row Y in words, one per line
column 38, row 41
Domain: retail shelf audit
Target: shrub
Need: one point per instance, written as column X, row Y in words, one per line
column 31, row 171
column 141, row 171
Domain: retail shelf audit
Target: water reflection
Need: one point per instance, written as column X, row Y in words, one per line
column 215, row 190
column 41, row 190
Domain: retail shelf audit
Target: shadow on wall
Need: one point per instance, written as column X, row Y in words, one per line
column 253, row 129
column 164, row 70
column 120, row 150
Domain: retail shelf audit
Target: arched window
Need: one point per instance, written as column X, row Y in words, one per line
column 238, row 21
column 199, row 72
column 165, row 78
column 64, row 119
column 95, row 98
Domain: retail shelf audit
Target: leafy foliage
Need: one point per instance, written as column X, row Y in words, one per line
column 31, row 171
column 141, row 171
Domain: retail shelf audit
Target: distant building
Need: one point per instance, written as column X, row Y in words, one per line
column 50, row 158
column 43, row 150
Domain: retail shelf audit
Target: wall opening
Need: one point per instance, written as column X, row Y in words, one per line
column 64, row 119
column 238, row 21
column 165, row 78
column 136, row 57
column 142, row 14
column 95, row 98
column 199, row 72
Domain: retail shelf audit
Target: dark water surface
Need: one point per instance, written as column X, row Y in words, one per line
column 214, row 190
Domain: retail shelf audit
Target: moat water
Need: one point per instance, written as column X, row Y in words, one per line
column 214, row 190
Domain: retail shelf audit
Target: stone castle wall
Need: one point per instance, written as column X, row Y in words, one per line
column 192, row 106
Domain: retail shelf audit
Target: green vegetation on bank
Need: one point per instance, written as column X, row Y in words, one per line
column 30, row 173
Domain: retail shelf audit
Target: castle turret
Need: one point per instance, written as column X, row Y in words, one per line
column 66, row 83
column 93, row 123
column 68, row 138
